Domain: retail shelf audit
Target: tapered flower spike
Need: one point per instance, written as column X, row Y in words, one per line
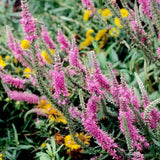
column 47, row 39
column 73, row 56
column 63, row 41
column 16, row 82
column 16, row 48
column 146, row 6
column 151, row 114
column 60, row 88
column 23, row 96
column 127, row 135
column 101, row 79
column 28, row 22
column 150, row 111
column 90, row 124
column 143, row 91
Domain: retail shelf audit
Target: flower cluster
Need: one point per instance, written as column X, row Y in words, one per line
column 57, row 79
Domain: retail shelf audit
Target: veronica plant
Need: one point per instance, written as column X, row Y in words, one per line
column 142, row 25
column 54, row 76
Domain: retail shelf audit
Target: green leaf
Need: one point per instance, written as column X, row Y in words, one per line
column 53, row 144
column 96, row 47
column 49, row 151
column 59, row 148
column 109, row 49
column 15, row 134
column 25, row 146
column 156, row 142
column 102, row 60
column 113, row 56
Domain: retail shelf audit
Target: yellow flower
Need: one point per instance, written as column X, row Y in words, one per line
column 87, row 42
column 26, row 71
column 46, row 57
column 124, row 12
column 113, row 32
column 100, row 11
column 61, row 119
column 89, row 32
column 1, row 156
column 52, row 51
column 70, row 143
column 100, row 34
column 2, row 62
column 51, row 118
column 8, row 58
column 17, row 69
column 106, row 13
column 43, row 144
column 117, row 22
column 15, row 61
column 87, row 15
column 25, row 44
column 103, row 41
column 84, row 138
column 54, row 114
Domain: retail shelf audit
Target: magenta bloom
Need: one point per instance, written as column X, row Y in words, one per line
column 154, row 116
column 16, row 48
column 138, row 141
column 158, row 51
column 47, row 38
column 63, row 41
column 74, row 112
column 16, row 82
column 23, row 96
column 73, row 57
column 89, row 119
column 139, row 30
column 60, row 88
column 101, row 79
column 103, row 139
column 27, row 22
column 93, row 85
column 137, row 156
column 154, row 119
column 146, row 6
column 41, row 60
column 87, row 4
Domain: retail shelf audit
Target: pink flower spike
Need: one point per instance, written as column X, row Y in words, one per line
column 60, row 88
column 63, row 41
column 16, row 48
column 73, row 57
column 27, row 22
column 87, row 4
column 103, row 138
column 16, row 82
column 98, row 76
column 23, row 96
column 47, row 38
column 74, row 112
column 146, row 7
